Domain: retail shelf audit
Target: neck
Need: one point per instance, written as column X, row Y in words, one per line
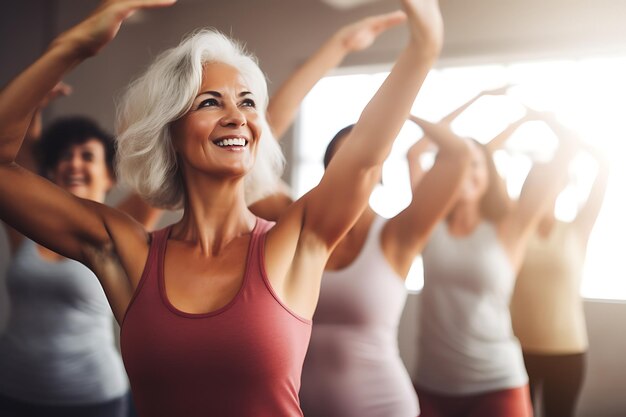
column 215, row 212
column 464, row 217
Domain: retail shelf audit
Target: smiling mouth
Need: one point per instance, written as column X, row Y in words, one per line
column 231, row 143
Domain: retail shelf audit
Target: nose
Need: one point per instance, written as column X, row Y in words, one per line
column 74, row 161
column 233, row 117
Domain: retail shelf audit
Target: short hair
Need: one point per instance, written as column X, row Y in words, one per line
column 164, row 93
column 332, row 145
column 495, row 203
column 67, row 131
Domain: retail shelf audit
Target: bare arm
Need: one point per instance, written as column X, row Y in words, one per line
column 357, row 36
column 589, row 212
column 300, row 243
column 500, row 140
column 284, row 104
column 71, row 224
column 413, row 156
column 457, row 112
column 350, row 177
column 406, row 234
column 543, row 184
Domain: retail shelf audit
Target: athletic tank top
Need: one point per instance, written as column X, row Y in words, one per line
column 59, row 345
column 466, row 343
column 547, row 308
column 244, row 359
column 353, row 366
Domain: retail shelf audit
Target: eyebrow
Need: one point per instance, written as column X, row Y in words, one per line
column 219, row 95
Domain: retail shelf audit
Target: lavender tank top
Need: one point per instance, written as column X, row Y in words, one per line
column 353, row 367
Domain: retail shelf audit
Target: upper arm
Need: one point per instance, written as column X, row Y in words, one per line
column 48, row 214
column 405, row 235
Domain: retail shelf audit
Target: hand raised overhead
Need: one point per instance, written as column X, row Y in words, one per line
column 360, row 35
column 425, row 24
column 101, row 26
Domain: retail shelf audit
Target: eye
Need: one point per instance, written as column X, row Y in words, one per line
column 209, row 102
column 88, row 156
column 248, row 102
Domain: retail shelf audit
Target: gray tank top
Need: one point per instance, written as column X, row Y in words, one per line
column 466, row 343
column 59, row 346
column 353, row 366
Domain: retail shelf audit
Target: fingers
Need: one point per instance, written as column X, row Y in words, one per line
column 147, row 4
column 389, row 20
column 61, row 89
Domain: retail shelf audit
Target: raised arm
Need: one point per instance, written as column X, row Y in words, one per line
column 345, row 189
column 588, row 214
column 500, row 140
column 457, row 112
column 26, row 155
column 406, row 234
column 543, row 184
column 71, row 225
column 354, row 37
column 414, row 155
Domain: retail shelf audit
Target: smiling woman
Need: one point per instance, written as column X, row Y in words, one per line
column 215, row 309
column 149, row 160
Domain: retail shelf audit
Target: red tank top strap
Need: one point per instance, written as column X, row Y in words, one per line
column 259, row 282
column 158, row 243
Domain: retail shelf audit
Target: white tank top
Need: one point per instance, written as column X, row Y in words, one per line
column 547, row 308
column 353, row 366
column 59, row 347
column 465, row 340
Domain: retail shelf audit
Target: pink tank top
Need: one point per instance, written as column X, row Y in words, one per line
column 244, row 359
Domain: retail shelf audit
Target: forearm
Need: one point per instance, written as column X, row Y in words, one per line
column 21, row 97
column 500, row 140
column 449, row 118
column 285, row 102
column 442, row 136
column 386, row 113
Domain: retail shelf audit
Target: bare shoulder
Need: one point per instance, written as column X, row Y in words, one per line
column 293, row 241
column 128, row 243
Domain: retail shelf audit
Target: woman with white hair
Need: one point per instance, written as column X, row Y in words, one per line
column 215, row 309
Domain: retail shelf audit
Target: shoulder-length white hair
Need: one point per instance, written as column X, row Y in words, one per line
column 164, row 93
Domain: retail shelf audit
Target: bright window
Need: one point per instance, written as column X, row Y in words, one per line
column 586, row 95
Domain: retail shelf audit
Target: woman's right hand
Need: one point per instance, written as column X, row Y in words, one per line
column 361, row 35
column 425, row 24
column 102, row 25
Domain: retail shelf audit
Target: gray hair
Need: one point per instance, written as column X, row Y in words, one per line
column 164, row 93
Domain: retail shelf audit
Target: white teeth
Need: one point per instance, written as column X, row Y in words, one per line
column 231, row 142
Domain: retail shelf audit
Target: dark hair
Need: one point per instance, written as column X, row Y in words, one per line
column 330, row 149
column 68, row 131
column 495, row 203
